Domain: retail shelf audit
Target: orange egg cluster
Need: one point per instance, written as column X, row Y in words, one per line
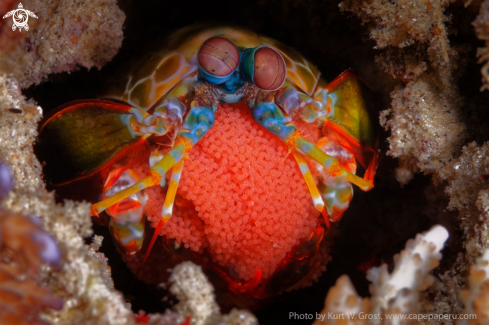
column 241, row 196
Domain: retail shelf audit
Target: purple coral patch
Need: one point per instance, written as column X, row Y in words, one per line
column 49, row 251
column 6, row 180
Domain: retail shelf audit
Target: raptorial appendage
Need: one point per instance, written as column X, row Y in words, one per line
column 196, row 124
column 166, row 117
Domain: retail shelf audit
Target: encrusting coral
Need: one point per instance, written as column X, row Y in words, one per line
column 394, row 293
column 468, row 194
column 66, row 35
column 425, row 124
column 425, row 118
column 84, row 281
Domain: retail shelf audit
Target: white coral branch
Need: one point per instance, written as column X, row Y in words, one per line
column 412, row 267
column 395, row 292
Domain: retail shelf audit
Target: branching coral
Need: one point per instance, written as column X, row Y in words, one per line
column 393, row 292
column 397, row 291
column 342, row 299
column 67, row 34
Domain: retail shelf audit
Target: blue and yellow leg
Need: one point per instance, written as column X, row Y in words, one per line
column 330, row 163
column 197, row 123
column 269, row 115
column 311, row 185
column 172, row 191
column 340, row 109
column 337, row 193
column 156, row 176
column 167, row 209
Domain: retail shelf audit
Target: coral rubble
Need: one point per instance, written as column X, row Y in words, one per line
column 403, row 23
column 425, row 119
column 468, row 194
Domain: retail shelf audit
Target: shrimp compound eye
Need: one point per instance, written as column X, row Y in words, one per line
column 218, row 58
column 264, row 67
column 269, row 69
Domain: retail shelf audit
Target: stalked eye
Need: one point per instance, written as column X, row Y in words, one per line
column 218, row 56
column 264, row 67
column 269, row 71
